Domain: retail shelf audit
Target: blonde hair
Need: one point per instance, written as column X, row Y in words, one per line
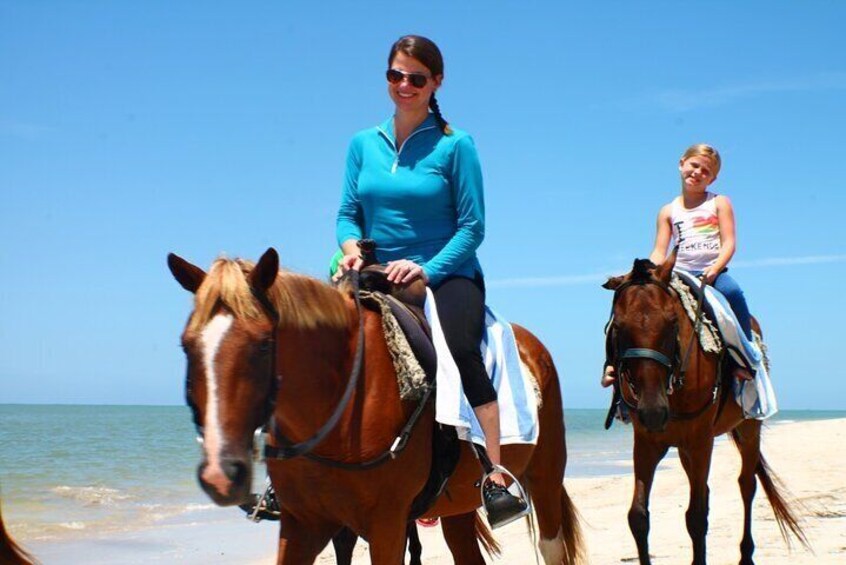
column 704, row 150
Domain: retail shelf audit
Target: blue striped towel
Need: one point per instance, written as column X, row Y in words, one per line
column 518, row 410
column 756, row 397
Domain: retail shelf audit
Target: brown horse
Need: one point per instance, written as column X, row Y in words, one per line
column 671, row 407
column 10, row 551
column 251, row 323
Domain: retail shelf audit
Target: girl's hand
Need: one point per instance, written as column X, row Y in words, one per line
column 709, row 276
column 404, row 271
column 351, row 262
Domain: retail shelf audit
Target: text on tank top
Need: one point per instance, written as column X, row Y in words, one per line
column 697, row 233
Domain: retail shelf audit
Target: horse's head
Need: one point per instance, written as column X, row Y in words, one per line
column 644, row 339
column 229, row 343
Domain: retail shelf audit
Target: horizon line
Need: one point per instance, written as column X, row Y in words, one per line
column 572, row 280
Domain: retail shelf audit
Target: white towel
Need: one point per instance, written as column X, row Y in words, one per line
column 518, row 410
column 756, row 397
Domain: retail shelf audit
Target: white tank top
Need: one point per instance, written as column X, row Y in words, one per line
column 697, row 233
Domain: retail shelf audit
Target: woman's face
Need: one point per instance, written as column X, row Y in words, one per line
column 405, row 95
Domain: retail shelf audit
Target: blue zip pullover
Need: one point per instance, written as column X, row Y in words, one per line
column 422, row 201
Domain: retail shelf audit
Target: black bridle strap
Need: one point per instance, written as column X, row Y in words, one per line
column 645, row 353
column 289, row 450
column 392, row 452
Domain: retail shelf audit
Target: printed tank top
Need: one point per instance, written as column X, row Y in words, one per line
column 697, row 233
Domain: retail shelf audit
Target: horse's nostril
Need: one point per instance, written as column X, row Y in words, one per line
column 236, row 471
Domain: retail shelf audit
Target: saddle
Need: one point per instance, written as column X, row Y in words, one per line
column 406, row 304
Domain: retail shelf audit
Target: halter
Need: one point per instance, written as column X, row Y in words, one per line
column 675, row 378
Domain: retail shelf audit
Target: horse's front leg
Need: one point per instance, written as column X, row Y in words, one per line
column 460, row 535
column 747, row 437
column 301, row 543
column 697, row 464
column 386, row 534
column 647, row 455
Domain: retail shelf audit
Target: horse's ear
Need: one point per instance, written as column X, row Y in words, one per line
column 614, row 282
column 665, row 270
column 265, row 271
column 186, row 274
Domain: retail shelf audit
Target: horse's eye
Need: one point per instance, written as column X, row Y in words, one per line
column 265, row 345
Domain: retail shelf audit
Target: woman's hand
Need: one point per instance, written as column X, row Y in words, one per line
column 404, row 271
column 351, row 262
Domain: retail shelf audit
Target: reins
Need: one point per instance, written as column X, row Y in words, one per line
column 289, row 450
column 675, row 375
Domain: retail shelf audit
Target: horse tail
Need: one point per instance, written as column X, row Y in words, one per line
column 485, row 537
column 571, row 530
column 788, row 522
column 10, row 551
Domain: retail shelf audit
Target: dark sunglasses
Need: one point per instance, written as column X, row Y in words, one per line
column 415, row 79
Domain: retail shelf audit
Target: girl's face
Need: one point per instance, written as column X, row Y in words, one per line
column 405, row 95
column 697, row 172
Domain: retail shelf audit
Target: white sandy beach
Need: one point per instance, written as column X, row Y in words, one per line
column 808, row 457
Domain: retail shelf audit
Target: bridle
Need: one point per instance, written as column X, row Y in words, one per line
column 676, row 368
column 287, row 449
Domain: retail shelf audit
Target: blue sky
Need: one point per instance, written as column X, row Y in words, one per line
column 132, row 129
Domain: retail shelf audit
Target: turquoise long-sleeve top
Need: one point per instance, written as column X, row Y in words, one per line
column 423, row 201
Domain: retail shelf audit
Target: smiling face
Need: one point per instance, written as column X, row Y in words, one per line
column 697, row 173
column 405, row 95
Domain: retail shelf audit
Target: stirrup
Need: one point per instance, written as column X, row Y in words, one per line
column 516, row 490
column 264, row 506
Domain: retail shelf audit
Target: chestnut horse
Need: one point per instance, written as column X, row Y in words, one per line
column 681, row 406
column 274, row 348
column 10, row 551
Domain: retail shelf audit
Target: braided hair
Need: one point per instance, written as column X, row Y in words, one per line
column 425, row 51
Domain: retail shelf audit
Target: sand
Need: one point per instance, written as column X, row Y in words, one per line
column 809, row 457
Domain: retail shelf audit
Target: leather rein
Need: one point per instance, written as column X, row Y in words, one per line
column 287, row 449
column 676, row 370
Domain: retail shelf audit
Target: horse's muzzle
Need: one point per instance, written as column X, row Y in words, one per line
column 654, row 418
column 227, row 483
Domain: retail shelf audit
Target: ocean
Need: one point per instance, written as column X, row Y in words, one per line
column 75, row 471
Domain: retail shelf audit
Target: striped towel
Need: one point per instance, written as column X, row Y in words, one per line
column 518, row 410
column 756, row 397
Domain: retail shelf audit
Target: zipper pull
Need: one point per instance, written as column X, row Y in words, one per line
column 394, row 167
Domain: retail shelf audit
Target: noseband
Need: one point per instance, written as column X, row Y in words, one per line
column 675, row 371
column 675, row 380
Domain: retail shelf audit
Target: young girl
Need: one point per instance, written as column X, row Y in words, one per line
column 414, row 185
column 702, row 224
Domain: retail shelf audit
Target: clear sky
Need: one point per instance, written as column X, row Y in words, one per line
column 132, row 129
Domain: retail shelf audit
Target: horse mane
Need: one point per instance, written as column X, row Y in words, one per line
column 642, row 270
column 302, row 302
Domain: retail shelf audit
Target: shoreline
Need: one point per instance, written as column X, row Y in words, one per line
column 802, row 453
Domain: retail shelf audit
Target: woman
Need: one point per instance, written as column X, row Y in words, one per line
column 414, row 185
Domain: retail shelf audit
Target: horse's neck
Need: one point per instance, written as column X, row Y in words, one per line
column 705, row 367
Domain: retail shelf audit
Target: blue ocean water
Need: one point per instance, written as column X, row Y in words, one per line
column 76, row 470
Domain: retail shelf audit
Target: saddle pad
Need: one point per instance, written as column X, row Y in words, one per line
column 756, row 397
column 518, row 408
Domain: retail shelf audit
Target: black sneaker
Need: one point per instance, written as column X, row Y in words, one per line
column 261, row 508
column 501, row 506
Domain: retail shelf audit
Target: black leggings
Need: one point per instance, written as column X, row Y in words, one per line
column 461, row 311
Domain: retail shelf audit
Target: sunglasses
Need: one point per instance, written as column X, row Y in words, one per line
column 416, row 80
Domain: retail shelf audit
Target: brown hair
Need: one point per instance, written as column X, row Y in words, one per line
column 704, row 150
column 425, row 51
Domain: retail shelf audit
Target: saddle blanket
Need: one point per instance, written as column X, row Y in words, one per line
column 756, row 397
column 518, row 407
